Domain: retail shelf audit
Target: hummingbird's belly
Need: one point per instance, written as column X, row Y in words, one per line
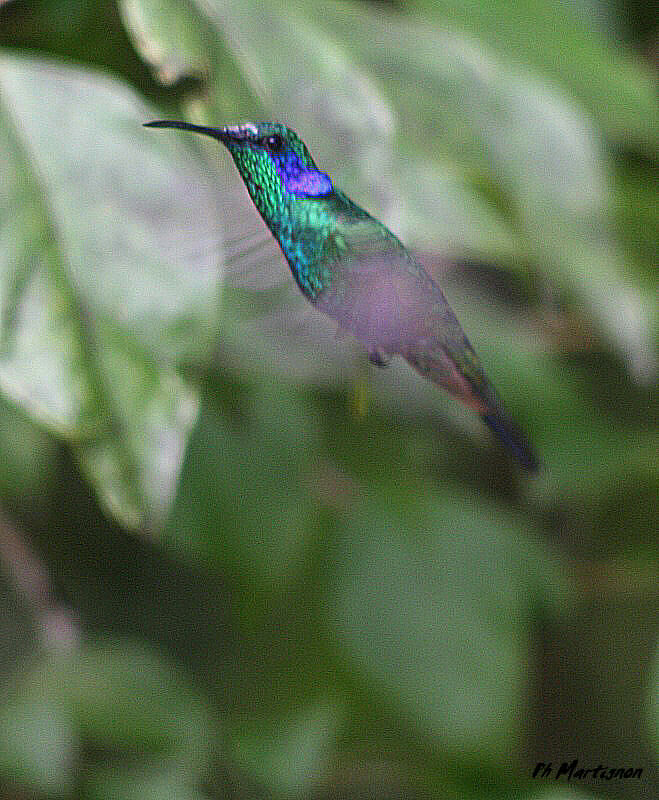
column 382, row 307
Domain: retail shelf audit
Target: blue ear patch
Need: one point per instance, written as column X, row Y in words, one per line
column 301, row 181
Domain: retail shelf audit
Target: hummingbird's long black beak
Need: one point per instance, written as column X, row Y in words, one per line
column 217, row 133
column 231, row 133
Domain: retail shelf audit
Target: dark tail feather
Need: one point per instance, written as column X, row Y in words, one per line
column 513, row 437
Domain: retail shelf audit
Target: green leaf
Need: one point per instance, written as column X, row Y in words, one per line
column 244, row 502
column 147, row 783
column 27, row 470
column 171, row 36
column 431, row 602
column 95, row 301
column 288, row 753
column 178, row 40
column 569, row 45
column 122, row 696
column 38, row 746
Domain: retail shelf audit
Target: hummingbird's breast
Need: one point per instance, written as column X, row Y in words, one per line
column 302, row 233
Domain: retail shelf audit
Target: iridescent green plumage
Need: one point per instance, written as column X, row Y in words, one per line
column 354, row 269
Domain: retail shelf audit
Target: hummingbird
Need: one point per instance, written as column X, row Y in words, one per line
column 352, row 268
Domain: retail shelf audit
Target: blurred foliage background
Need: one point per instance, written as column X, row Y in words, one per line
column 236, row 561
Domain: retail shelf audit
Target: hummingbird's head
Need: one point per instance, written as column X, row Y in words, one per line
column 272, row 160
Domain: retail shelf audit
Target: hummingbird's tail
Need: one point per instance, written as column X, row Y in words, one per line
column 463, row 377
column 512, row 436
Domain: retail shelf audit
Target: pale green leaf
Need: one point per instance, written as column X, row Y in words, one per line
column 95, row 299
column 568, row 44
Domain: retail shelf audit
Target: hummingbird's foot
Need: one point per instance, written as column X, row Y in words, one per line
column 379, row 358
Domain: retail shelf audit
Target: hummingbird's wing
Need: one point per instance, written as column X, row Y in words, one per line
column 253, row 260
column 272, row 321
column 381, row 293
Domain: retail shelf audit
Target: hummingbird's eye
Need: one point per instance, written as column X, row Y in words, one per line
column 274, row 143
